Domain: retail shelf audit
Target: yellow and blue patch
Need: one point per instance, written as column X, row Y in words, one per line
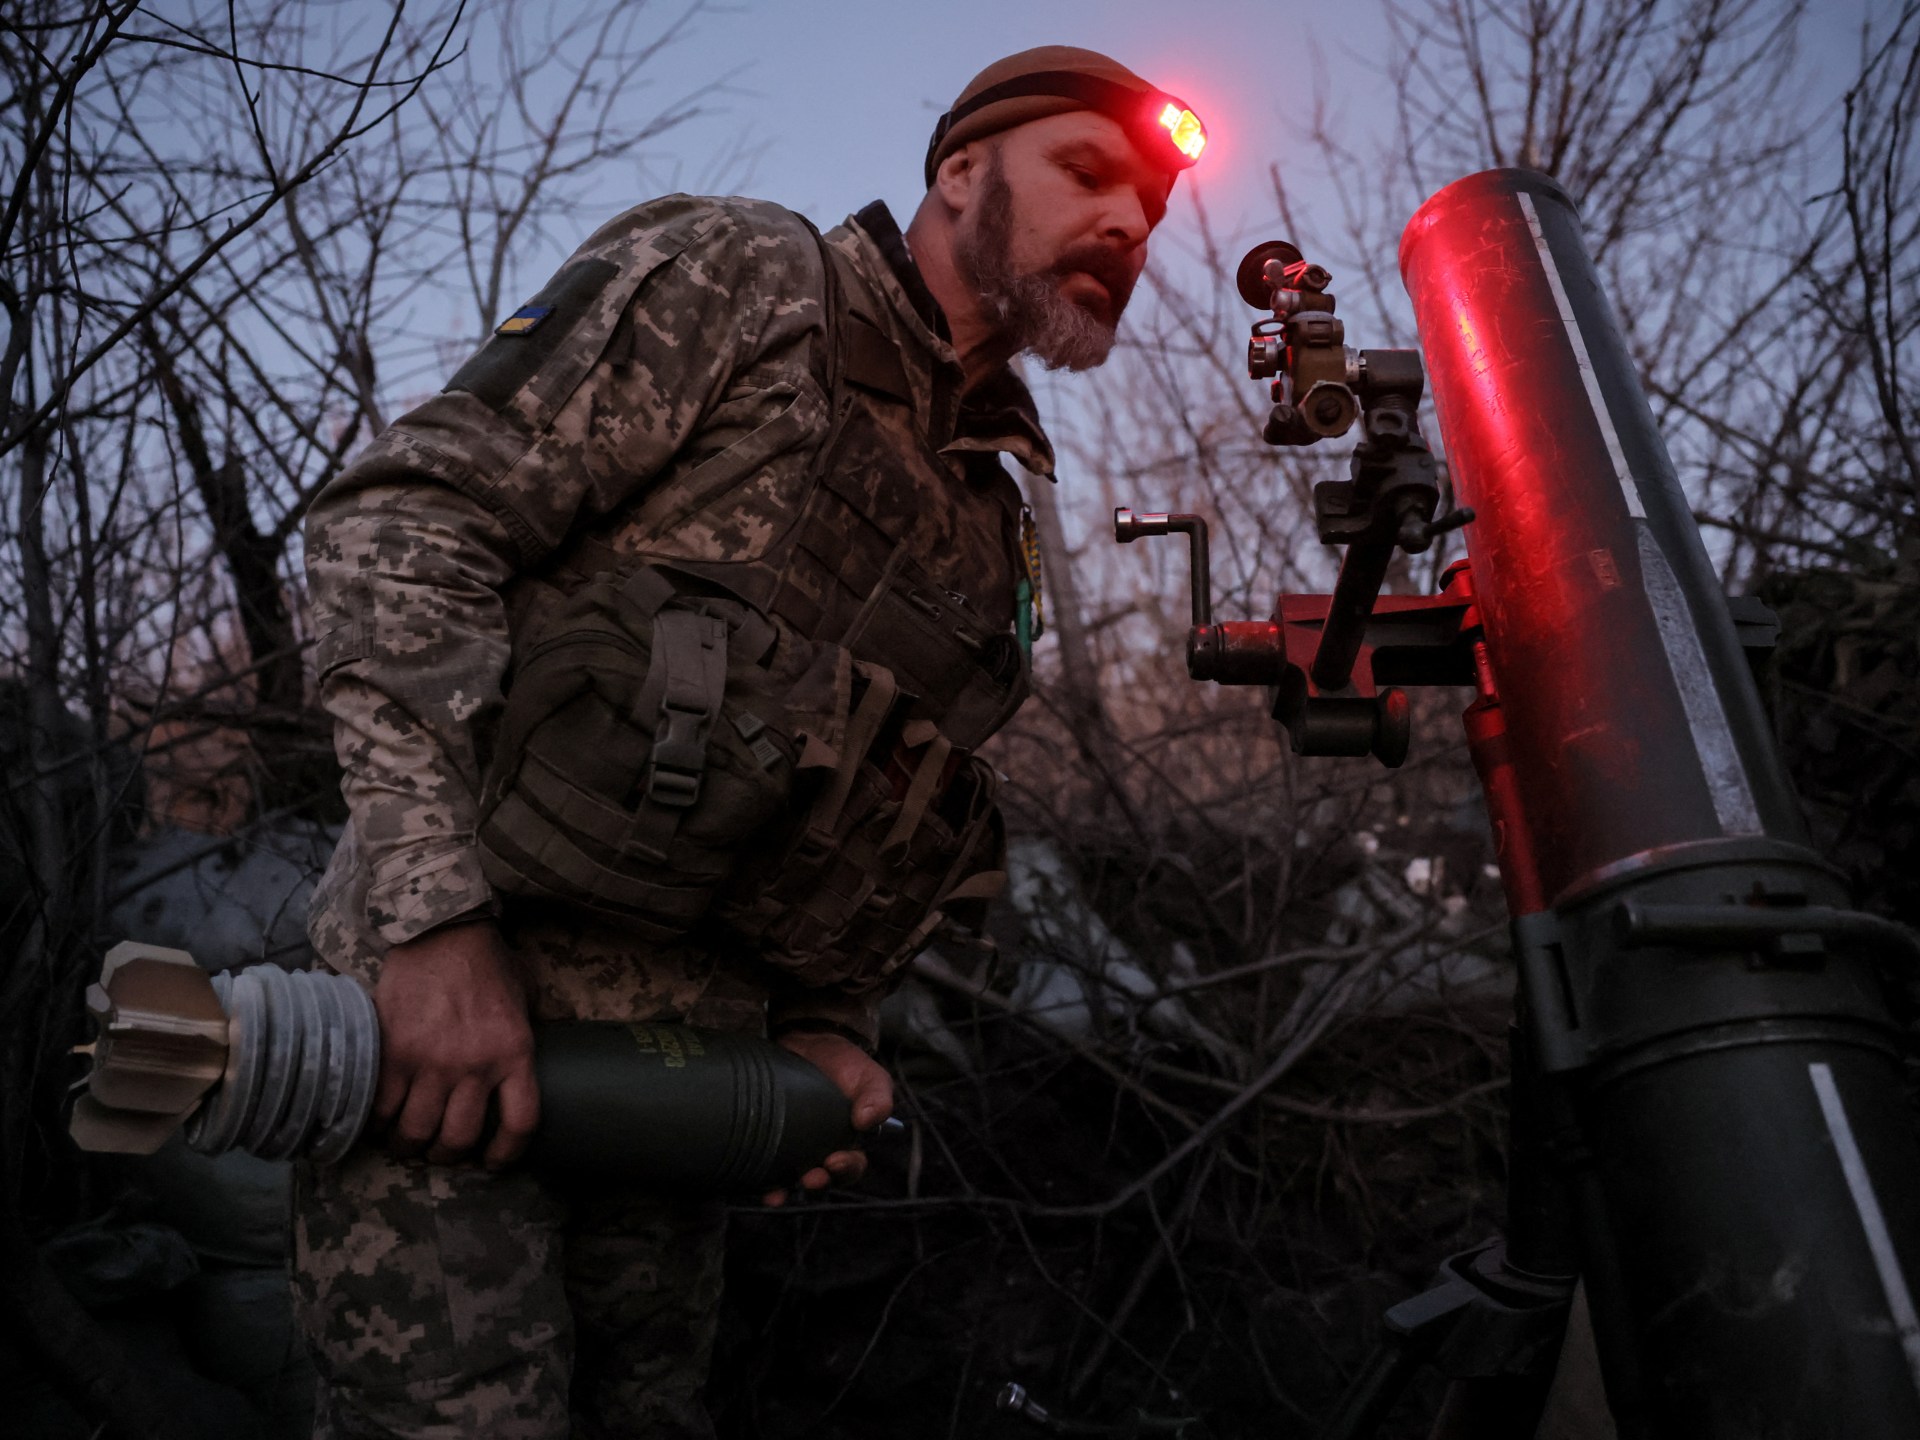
column 524, row 321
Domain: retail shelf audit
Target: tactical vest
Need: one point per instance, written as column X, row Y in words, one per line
column 776, row 747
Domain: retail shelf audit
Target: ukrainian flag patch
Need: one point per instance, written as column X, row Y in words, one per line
column 524, row 321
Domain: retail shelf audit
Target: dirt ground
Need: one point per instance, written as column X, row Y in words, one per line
column 878, row 1316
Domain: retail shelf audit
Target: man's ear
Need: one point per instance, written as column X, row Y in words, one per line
column 954, row 181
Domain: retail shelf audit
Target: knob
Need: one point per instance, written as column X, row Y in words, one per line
column 1128, row 526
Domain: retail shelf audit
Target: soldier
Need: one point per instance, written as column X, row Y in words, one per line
column 658, row 645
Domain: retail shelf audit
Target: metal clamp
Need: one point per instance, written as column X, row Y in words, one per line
column 1481, row 1318
column 1784, row 932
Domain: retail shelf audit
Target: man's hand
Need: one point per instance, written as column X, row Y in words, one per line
column 862, row 1080
column 454, row 1032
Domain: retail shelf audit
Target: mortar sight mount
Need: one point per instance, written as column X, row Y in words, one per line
column 1335, row 664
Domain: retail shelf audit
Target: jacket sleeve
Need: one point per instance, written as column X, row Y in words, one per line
column 657, row 340
column 793, row 1007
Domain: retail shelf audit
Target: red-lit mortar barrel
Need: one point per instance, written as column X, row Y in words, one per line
column 1751, row 1194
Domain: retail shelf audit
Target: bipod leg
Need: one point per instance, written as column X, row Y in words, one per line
column 1378, row 1387
column 1483, row 1321
column 1542, row 1241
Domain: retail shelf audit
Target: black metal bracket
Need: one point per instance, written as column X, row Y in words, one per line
column 1782, row 934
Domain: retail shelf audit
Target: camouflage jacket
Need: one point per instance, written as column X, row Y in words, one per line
column 693, row 332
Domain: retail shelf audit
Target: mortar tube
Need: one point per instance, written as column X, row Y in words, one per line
column 1752, row 1216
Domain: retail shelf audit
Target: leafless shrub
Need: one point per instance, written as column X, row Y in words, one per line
column 1230, row 1087
column 234, row 240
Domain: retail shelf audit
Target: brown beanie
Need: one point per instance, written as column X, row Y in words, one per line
column 1051, row 80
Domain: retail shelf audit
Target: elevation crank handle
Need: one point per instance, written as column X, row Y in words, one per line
column 1128, row 527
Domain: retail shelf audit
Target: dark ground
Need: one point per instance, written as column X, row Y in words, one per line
column 848, row 1319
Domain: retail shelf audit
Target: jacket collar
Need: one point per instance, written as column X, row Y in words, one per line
column 998, row 414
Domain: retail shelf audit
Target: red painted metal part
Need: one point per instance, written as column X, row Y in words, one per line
column 1604, row 749
column 1410, row 640
column 1486, row 725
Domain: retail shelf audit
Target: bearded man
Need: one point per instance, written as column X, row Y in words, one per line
column 765, row 462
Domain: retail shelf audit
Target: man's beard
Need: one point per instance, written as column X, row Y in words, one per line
column 1029, row 308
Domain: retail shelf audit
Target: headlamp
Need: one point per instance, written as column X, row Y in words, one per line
column 1163, row 126
column 1183, row 127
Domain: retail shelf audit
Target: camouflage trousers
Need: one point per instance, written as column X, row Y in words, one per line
column 446, row 1302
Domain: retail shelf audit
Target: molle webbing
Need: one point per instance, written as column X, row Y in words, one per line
column 846, row 570
column 681, row 697
column 648, row 756
column 637, row 753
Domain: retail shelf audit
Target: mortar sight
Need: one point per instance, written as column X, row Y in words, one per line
column 1320, row 385
column 1333, row 663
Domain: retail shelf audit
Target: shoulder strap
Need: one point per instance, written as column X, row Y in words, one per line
column 831, row 364
column 857, row 350
column 861, row 351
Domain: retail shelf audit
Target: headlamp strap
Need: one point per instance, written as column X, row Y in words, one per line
column 1119, row 102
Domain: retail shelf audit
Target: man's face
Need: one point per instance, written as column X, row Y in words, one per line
column 1054, row 233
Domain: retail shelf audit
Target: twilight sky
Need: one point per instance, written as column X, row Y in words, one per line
column 842, row 94
column 845, row 92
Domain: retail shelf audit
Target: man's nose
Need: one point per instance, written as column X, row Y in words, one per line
column 1126, row 219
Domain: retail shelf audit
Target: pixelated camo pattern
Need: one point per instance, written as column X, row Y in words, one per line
column 446, row 1302
column 682, row 343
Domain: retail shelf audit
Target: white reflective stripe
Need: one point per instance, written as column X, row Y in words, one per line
column 1628, row 487
column 1879, row 1242
column 1720, row 764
